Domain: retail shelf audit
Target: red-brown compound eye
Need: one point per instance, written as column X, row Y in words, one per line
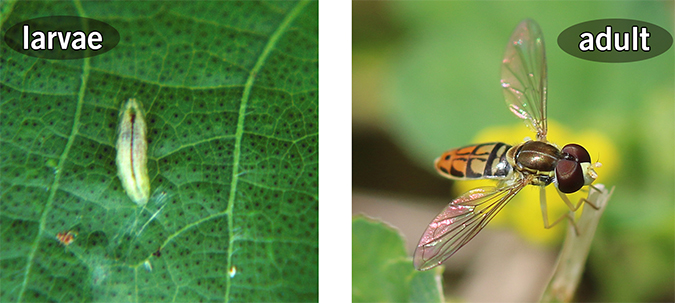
column 570, row 176
column 576, row 153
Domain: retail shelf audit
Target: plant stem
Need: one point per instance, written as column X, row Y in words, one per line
column 572, row 258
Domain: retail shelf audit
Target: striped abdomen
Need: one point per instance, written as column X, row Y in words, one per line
column 481, row 161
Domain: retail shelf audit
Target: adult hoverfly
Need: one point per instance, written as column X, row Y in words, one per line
column 533, row 162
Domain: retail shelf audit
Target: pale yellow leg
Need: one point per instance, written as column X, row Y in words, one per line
column 569, row 215
column 581, row 200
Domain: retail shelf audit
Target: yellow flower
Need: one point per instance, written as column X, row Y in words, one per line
column 523, row 212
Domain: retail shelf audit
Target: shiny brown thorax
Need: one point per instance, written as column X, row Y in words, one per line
column 537, row 158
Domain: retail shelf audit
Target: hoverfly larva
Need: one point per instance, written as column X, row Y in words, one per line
column 132, row 156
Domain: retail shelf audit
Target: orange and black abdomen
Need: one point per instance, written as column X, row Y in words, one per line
column 482, row 161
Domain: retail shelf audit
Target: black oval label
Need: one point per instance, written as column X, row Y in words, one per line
column 62, row 37
column 615, row 40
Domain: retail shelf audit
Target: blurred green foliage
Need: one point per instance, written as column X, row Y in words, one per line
column 381, row 269
column 434, row 69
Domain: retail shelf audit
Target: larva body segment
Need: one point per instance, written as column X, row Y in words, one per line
column 132, row 157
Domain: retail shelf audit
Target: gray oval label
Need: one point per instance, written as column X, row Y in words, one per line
column 615, row 40
column 62, row 37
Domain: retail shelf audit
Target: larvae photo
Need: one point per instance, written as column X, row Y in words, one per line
column 178, row 162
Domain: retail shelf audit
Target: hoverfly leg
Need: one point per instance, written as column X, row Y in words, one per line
column 544, row 212
column 571, row 206
column 593, row 187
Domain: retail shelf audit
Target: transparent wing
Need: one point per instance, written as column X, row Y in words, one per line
column 460, row 221
column 524, row 76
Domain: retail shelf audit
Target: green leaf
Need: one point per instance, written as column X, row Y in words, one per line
column 230, row 94
column 383, row 272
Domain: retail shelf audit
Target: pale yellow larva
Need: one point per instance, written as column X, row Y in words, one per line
column 132, row 153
